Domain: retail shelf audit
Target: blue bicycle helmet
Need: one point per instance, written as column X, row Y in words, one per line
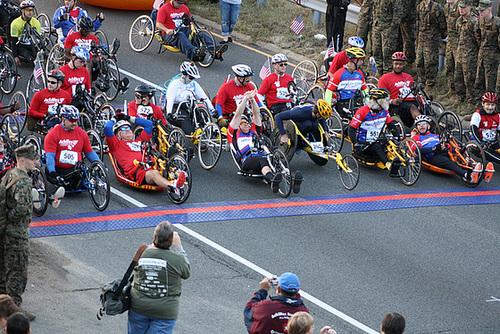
column 70, row 112
column 356, row 42
column 80, row 53
column 26, row 4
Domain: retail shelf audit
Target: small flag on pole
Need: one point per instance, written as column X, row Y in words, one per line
column 330, row 52
column 265, row 70
column 38, row 71
column 297, row 25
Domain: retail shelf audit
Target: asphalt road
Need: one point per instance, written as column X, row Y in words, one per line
column 436, row 265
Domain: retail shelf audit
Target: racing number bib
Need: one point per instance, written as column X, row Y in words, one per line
column 282, row 93
column 68, row 157
column 371, row 135
column 317, row 147
column 489, row 134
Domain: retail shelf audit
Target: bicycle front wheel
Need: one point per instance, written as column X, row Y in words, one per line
column 281, row 166
column 10, row 127
column 39, row 183
column 109, row 78
column 205, row 38
column 349, row 172
column 141, row 33
column 100, row 189
column 472, row 155
column 305, row 74
column 176, row 165
column 210, row 146
column 411, row 166
column 22, row 112
column 55, row 59
column 8, row 73
column 96, row 143
column 34, row 85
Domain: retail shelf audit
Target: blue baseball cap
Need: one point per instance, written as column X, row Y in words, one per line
column 289, row 282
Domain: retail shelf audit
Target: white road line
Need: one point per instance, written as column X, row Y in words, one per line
column 254, row 267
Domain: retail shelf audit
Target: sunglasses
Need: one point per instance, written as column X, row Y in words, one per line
column 29, row 9
column 125, row 128
column 190, row 78
column 282, row 64
column 244, row 123
column 140, row 96
column 72, row 120
column 52, row 82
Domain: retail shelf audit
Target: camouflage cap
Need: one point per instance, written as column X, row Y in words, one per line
column 465, row 3
column 484, row 4
column 27, row 151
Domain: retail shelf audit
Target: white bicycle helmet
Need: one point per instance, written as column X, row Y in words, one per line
column 70, row 112
column 242, row 70
column 356, row 41
column 279, row 58
column 422, row 118
column 190, row 69
column 119, row 124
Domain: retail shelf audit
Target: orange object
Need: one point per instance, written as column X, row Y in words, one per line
column 122, row 4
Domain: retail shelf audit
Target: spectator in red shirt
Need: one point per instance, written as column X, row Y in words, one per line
column 340, row 59
column 398, row 83
column 275, row 86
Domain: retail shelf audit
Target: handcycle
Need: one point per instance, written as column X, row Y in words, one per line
column 14, row 122
column 467, row 155
column 169, row 166
column 321, row 148
column 143, row 31
column 406, row 151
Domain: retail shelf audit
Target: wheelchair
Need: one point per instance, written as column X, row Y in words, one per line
column 320, row 149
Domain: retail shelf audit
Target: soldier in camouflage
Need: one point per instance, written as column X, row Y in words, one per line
column 469, row 36
column 14, row 249
column 452, row 14
column 365, row 20
column 407, row 31
column 431, row 29
column 488, row 57
column 386, row 19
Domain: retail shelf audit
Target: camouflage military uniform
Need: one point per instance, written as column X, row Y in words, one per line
column 431, row 29
column 452, row 14
column 365, row 20
column 407, row 30
column 386, row 18
column 466, row 56
column 488, row 56
column 14, row 243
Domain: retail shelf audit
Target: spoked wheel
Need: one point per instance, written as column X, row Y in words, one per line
column 450, row 123
column 39, row 183
column 99, row 185
column 290, row 148
column 371, row 82
column 177, row 138
column 10, row 127
column 108, row 80
column 336, row 133
column 105, row 112
column 201, row 38
column 316, row 92
column 203, row 117
column 8, row 73
column 434, row 109
column 55, row 59
column 141, row 33
column 35, row 85
column 281, row 166
column 96, row 143
column 305, row 74
column 33, row 140
column 45, row 24
column 267, row 121
column 410, row 168
column 22, row 112
column 473, row 154
column 401, row 128
column 349, row 172
column 137, row 131
column 176, row 165
column 103, row 39
column 210, row 146
column 85, row 122
column 100, row 99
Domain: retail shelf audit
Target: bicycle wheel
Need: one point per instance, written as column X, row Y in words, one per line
column 8, row 73
column 411, row 166
column 177, row 138
column 449, row 123
column 109, row 78
column 336, row 133
column 103, row 39
column 433, row 109
column 202, row 117
column 10, row 127
column 267, row 121
column 45, row 24
column 316, row 92
column 175, row 165
column 99, row 185
column 55, row 59
column 290, row 148
column 141, row 33
column 34, row 85
column 96, row 143
column 100, row 99
column 39, row 183
column 281, row 166
column 472, row 154
column 305, row 74
column 210, row 146
column 205, row 38
column 104, row 114
column 349, row 172
column 35, row 141
column 371, row 82
column 401, row 128
column 22, row 112
column 85, row 122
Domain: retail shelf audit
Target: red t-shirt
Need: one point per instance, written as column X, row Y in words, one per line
column 276, row 89
column 230, row 96
column 125, row 152
column 68, row 146
column 76, row 39
column 75, row 77
column 171, row 17
column 338, row 61
column 45, row 99
column 145, row 111
column 398, row 85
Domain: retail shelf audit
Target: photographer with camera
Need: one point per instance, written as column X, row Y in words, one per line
column 264, row 315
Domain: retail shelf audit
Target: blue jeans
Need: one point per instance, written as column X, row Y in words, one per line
column 229, row 16
column 142, row 324
column 181, row 41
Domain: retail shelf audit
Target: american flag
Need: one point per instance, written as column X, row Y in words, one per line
column 330, row 52
column 38, row 71
column 265, row 70
column 297, row 25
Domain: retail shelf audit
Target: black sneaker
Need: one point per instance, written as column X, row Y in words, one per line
column 275, row 182
column 220, row 50
column 200, row 53
column 394, row 171
column 296, row 181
